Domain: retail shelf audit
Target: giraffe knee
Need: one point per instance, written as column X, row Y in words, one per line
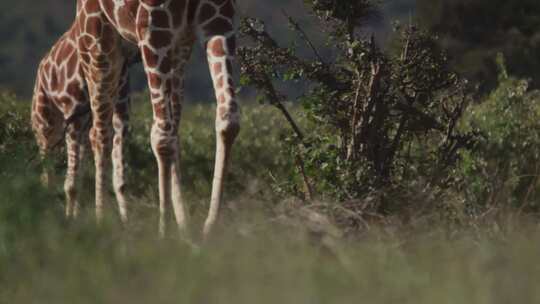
column 120, row 188
column 119, row 183
column 228, row 122
column 228, row 130
column 70, row 189
column 99, row 139
column 164, row 141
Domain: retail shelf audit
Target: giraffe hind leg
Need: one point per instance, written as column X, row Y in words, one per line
column 74, row 143
column 47, row 125
column 120, row 125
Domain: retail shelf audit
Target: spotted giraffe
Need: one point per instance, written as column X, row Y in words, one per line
column 60, row 108
column 165, row 32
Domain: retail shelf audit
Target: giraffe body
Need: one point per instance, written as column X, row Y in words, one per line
column 60, row 108
column 164, row 32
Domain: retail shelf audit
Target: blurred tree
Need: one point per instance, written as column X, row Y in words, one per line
column 474, row 31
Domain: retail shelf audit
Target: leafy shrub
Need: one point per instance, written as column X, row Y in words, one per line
column 376, row 119
column 505, row 166
column 15, row 128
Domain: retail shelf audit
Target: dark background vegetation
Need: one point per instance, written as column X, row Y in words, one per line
column 432, row 197
column 29, row 28
column 472, row 30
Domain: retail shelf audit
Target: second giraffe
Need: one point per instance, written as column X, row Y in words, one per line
column 60, row 108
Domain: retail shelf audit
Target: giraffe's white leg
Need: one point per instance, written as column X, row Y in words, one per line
column 118, row 168
column 120, row 125
column 220, row 49
column 165, row 148
column 73, row 150
column 181, row 57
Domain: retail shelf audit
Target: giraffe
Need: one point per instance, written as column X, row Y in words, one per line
column 60, row 108
column 164, row 32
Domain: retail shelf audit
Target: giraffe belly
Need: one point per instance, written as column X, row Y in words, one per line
column 72, row 99
column 123, row 15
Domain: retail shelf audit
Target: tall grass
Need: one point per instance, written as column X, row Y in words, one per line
column 267, row 263
column 261, row 253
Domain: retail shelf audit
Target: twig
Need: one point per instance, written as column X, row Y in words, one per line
column 304, row 35
column 307, row 184
column 356, row 114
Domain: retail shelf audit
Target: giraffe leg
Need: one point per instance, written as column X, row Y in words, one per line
column 100, row 141
column 47, row 175
column 165, row 145
column 163, row 65
column 83, row 148
column 165, row 148
column 101, row 59
column 73, row 148
column 220, row 49
column 182, row 55
column 164, row 56
column 47, row 125
column 120, row 125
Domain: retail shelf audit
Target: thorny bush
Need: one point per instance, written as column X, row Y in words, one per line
column 377, row 119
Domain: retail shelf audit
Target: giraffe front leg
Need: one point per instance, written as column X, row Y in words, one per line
column 119, row 182
column 163, row 85
column 73, row 150
column 165, row 148
column 101, row 59
column 102, row 95
column 120, row 125
column 100, row 135
column 165, row 145
column 182, row 55
column 220, row 50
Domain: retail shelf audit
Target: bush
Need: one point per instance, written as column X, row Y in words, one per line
column 504, row 168
column 376, row 119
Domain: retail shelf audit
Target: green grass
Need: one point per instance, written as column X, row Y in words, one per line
column 265, row 263
column 262, row 252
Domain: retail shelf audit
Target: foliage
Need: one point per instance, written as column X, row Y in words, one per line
column 14, row 122
column 376, row 119
column 505, row 167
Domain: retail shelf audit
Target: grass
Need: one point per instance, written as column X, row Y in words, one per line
column 266, row 263
column 259, row 254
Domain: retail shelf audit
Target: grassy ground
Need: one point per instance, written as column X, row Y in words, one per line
column 259, row 254
column 267, row 263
